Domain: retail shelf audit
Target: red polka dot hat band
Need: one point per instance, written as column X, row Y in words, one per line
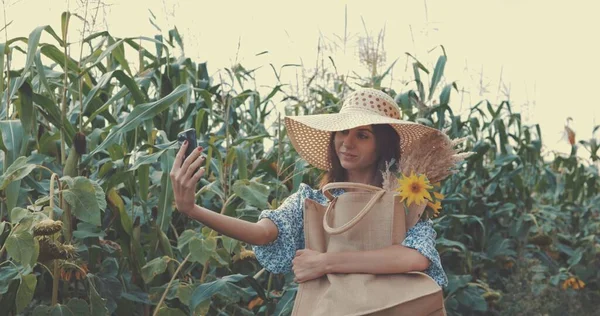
column 310, row 134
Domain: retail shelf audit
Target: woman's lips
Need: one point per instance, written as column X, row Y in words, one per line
column 347, row 156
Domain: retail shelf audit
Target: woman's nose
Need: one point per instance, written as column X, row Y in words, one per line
column 348, row 142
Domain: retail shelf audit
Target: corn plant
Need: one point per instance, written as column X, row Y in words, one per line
column 89, row 225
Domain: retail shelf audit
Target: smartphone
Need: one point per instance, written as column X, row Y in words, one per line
column 190, row 136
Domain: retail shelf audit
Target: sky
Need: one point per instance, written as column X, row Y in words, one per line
column 540, row 54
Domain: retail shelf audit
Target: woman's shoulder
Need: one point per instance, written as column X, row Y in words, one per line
column 307, row 192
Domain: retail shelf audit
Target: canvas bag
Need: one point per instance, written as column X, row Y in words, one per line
column 363, row 220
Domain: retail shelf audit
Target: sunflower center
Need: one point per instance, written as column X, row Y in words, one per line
column 415, row 188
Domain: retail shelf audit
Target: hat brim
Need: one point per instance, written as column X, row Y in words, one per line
column 310, row 134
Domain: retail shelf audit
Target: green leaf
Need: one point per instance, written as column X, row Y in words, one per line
column 576, row 258
column 456, row 282
column 153, row 268
column 424, row 121
column 205, row 291
column 12, row 139
column 116, row 201
column 450, row 244
column 184, row 293
column 418, row 81
column 50, row 110
column 300, row 168
column 286, row 303
column 7, row 275
column 140, row 114
column 174, row 34
column 254, row 193
column 419, row 64
column 17, row 214
column 229, row 243
column 87, row 230
column 42, row 310
column 144, row 160
column 2, row 55
column 135, row 294
column 119, row 54
column 86, row 197
column 165, row 199
column 97, row 303
column 25, row 108
column 438, row 72
column 144, row 181
column 33, row 43
column 61, row 310
column 242, row 162
column 41, row 71
column 123, row 78
column 202, row 249
column 184, row 239
column 472, row 299
column 504, row 160
column 18, row 170
column 21, row 247
column 64, row 24
column 168, row 311
column 79, row 307
column 25, row 291
column 445, row 94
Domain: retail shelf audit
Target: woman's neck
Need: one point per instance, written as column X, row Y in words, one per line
column 360, row 176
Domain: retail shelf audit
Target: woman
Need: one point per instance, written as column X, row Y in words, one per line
column 353, row 145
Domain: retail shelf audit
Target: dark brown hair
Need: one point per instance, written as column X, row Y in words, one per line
column 387, row 146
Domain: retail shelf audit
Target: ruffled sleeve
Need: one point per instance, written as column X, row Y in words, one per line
column 277, row 256
column 421, row 237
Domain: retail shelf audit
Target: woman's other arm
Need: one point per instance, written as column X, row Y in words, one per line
column 417, row 253
column 310, row 264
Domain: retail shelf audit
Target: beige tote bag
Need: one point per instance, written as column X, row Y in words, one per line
column 363, row 220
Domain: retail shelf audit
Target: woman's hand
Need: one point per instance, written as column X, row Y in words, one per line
column 185, row 177
column 308, row 265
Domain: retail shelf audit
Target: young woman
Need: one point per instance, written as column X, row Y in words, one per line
column 352, row 146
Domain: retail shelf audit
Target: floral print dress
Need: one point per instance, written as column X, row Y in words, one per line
column 277, row 256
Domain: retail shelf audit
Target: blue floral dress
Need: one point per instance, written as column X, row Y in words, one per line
column 277, row 256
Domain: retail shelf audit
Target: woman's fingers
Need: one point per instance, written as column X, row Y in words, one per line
column 191, row 158
column 193, row 180
column 178, row 159
column 198, row 175
column 191, row 170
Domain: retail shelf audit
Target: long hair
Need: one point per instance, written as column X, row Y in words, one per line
column 387, row 146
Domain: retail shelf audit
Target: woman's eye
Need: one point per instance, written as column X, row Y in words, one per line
column 345, row 132
column 363, row 136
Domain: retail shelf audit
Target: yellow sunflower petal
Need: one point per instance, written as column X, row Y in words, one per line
column 425, row 181
column 427, row 195
column 438, row 196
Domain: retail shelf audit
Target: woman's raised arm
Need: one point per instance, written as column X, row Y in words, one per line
column 185, row 178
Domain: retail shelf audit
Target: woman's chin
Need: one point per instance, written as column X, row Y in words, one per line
column 348, row 165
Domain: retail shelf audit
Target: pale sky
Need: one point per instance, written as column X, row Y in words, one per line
column 546, row 52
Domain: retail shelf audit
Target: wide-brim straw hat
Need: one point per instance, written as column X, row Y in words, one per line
column 310, row 134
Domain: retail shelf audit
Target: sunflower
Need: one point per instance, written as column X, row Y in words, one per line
column 574, row 283
column 436, row 207
column 414, row 189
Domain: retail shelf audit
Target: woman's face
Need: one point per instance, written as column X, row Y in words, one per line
column 356, row 148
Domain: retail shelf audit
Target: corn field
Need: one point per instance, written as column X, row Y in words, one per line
column 89, row 225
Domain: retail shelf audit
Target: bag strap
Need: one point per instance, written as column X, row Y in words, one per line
column 355, row 220
column 346, row 185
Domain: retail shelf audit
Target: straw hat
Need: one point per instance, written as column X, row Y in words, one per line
column 310, row 134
